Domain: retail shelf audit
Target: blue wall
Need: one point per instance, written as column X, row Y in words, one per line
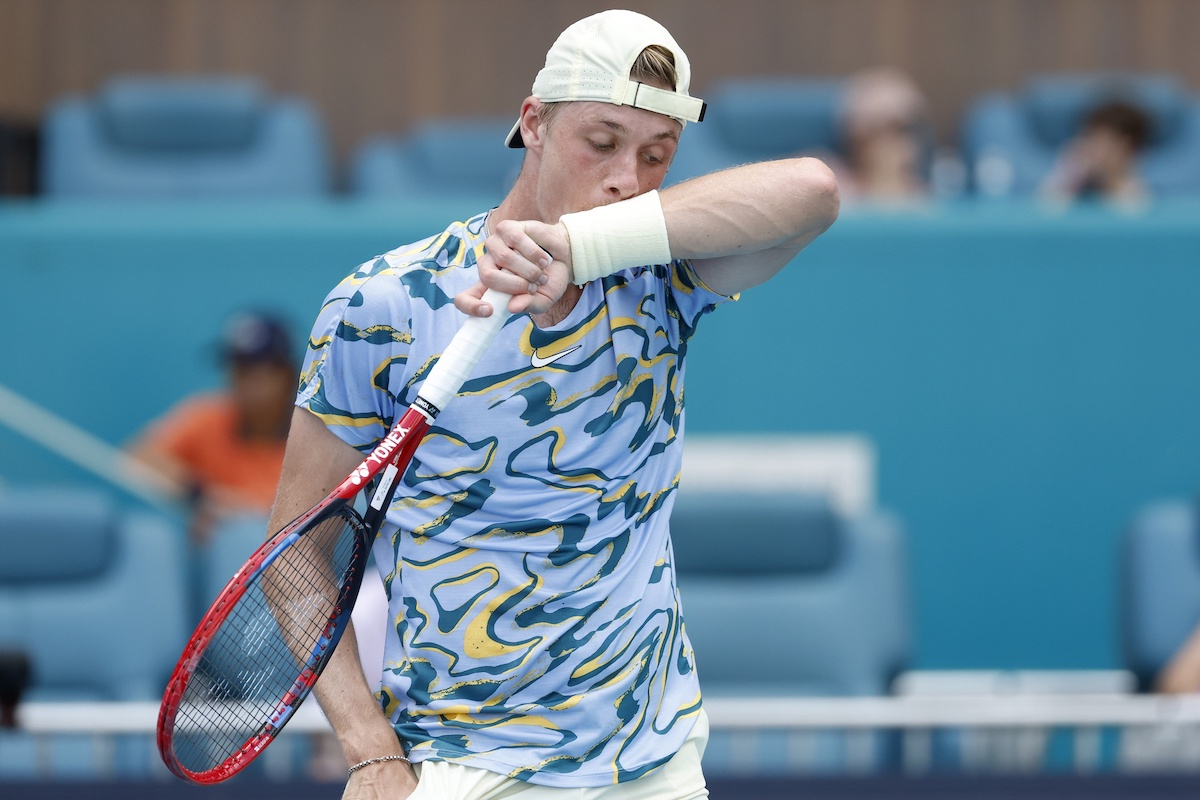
column 1029, row 379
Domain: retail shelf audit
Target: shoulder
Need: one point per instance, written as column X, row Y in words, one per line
column 429, row 271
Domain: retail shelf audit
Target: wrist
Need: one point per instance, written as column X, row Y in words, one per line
column 367, row 743
column 623, row 235
column 370, row 762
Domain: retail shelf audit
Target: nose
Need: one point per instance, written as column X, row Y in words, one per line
column 622, row 179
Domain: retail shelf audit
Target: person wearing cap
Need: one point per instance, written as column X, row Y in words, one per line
column 224, row 449
column 535, row 643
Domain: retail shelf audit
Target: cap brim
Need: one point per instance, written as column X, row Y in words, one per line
column 514, row 139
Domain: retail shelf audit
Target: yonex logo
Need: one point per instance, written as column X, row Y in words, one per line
column 542, row 361
column 381, row 452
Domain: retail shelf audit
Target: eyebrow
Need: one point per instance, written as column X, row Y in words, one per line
column 619, row 128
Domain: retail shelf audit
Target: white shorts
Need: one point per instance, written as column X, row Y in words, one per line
column 678, row 779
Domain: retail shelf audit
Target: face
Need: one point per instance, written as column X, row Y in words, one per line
column 261, row 385
column 1106, row 149
column 888, row 145
column 592, row 154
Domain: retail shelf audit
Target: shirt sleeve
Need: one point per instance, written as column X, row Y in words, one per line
column 357, row 355
column 689, row 298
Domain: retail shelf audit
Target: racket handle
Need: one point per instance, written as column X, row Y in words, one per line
column 464, row 351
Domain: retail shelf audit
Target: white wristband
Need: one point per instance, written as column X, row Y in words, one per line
column 607, row 239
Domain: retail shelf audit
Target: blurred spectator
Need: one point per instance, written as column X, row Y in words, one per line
column 19, row 145
column 225, row 449
column 16, row 672
column 883, row 118
column 1101, row 162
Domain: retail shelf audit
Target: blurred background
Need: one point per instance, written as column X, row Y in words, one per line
column 963, row 436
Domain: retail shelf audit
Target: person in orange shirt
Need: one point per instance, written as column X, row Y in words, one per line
column 224, row 450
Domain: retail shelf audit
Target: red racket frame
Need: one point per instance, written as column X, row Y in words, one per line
column 391, row 456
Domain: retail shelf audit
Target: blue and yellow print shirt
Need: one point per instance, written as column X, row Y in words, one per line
column 535, row 625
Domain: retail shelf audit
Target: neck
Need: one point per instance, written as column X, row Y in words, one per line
column 560, row 310
column 520, row 203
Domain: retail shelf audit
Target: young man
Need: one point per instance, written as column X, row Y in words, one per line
column 534, row 643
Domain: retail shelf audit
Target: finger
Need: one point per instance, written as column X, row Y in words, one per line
column 469, row 301
column 508, row 272
column 515, row 251
column 533, row 253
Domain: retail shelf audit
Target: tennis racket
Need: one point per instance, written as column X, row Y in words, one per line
column 259, row 649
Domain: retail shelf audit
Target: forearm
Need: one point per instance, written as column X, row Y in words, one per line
column 738, row 226
column 741, row 225
column 314, row 463
column 351, row 708
column 363, row 732
column 749, row 208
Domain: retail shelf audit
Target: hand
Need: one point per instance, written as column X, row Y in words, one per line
column 529, row 260
column 389, row 780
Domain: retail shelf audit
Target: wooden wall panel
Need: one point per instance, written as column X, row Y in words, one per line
column 373, row 66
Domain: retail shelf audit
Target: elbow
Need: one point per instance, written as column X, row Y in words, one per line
column 819, row 193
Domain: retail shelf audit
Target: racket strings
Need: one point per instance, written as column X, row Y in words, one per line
column 246, row 679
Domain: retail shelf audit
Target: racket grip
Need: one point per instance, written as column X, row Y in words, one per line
column 464, row 351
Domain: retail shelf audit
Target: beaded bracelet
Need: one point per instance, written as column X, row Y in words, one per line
column 371, row 761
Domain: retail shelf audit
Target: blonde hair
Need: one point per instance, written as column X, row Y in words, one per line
column 654, row 66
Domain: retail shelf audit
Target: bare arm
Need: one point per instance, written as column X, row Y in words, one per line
column 316, row 461
column 739, row 226
column 1181, row 675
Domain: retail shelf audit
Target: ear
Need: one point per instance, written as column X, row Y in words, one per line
column 531, row 125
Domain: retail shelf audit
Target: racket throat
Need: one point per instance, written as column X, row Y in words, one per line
column 413, row 425
column 384, row 490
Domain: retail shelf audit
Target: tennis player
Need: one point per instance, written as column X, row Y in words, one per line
column 535, row 646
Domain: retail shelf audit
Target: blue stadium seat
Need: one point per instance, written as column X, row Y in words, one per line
column 1160, row 585
column 756, row 119
column 232, row 542
column 753, row 119
column 157, row 137
column 95, row 596
column 1011, row 139
column 784, row 596
column 93, row 593
column 439, row 157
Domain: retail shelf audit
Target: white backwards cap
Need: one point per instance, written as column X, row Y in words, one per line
column 591, row 60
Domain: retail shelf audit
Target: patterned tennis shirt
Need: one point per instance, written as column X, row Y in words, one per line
column 534, row 620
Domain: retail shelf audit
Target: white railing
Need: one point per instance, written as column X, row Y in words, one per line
column 996, row 732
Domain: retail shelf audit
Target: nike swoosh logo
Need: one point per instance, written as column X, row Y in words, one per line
column 542, row 361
